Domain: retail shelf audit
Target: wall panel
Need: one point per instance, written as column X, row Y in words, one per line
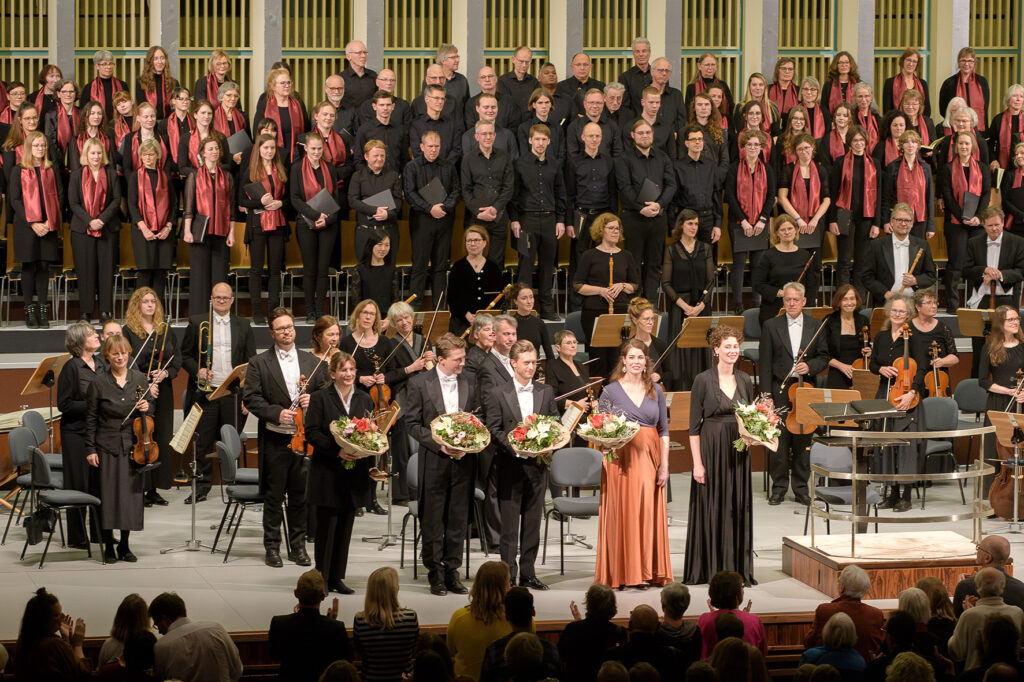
column 24, row 37
column 207, row 25
column 713, row 26
column 511, row 23
column 120, row 26
column 995, row 33
column 807, row 33
column 413, row 31
column 899, row 24
column 609, row 27
column 315, row 33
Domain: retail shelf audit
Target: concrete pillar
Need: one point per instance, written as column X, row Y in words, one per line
column 950, row 31
column 61, row 26
column 856, row 34
column 665, row 31
column 761, row 37
column 467, row 17
column 164, row 27
column 368, row 26
column 566, row 37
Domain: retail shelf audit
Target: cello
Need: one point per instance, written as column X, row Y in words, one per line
column 1000, row 493
column 936, row 381
column 906, row 370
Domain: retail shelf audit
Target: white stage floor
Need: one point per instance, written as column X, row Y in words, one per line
column 243, row 594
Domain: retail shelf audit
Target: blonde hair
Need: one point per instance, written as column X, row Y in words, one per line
column 26, row 156
column 89, row 144
column 358, row 310
column 600, row 222
column 487, row 598
column 133, row 316
column 381, row 603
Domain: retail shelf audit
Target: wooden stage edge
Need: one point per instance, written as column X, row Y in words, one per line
column 894, row 561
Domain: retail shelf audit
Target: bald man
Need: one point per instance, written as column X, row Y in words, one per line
column 401, row 116
column 452, row 110
column 577, row 85
column 993, row 552
column 673, row 112
column 966, row 643
column 508, row 114
column 360, row 82
column 519, row 83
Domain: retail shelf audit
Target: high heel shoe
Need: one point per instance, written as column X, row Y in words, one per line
column 125, row 554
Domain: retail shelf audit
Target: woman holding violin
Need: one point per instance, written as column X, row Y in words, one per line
column 156, row 354
column 901, row 361
column 937, row 340
column 325, row 337
column 847, row 336
column 783, row 263
column 112, row 444
column 376, row 368
column 1001, row 358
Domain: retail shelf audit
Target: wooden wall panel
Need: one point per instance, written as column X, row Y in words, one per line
column 899, row 24
column 609, row 27
column 314, row 36
column 995, row 33
column 511, row 23
column 710, row 26
column 24, row 37
column 413, row 31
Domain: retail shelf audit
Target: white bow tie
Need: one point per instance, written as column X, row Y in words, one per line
column 996, row 244
column 525, row 389
column 222, row 320
column 794, row 322
column 285, row 355
column 901, row 245
column 449, row 382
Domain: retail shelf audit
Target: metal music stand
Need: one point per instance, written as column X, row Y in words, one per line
column 43, row 379
column 384, row 422
column 1009, row 433
column 187, row 432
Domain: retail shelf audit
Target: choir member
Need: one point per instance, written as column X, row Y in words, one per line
column 403, row 112
column 964, row 120
column 153, row 208
column 752, row 114
column 855, row 184
column 784, row 262
column 317, row 232
column 908, row 180
column 94, row 197
column 662, row 130
column 834, row 145
column 642, row 321
column 706, row 116
column 228, row 117
column 804, row 195
column 562, row 105
column 386, row 128
column 124, row 117
column 783, row 91
column 685, row 274
column 613, row 95
column 156, row 83
column 266, row 229
column 209, row 195
column 785, row 150
column 955, row 105
column 1007, row 128
column 507, row 115
column 704, row 77
column 697, row 185
column 519, row 84
column 580, row 82
column 359, row 80
column 147, row 130
column 897, row 86
column 964, row 176
column 218, row 72
column 757, row 91
column 590, row 185
column 968, row 84
column 337, row 152
column 487, row 187
column 819, row 117
column 1001, row 359
column 916, row 120
column 539, row 111
column 91, row 126
column 888, row 148
column 203, row 116
column 103, row 87
column 842, row 77
column 845, row 329
column 1012, row 191
column 61, row 122
column 179, row 128
column 45, row 98
column 473, row 280
column 13, row 149
column 374, row 277
column 17, row 95
column 593, row 112
column 287, row 110
column 900, row 264
column 638, row 76
column 865, row 114
column 530, row 327
column 929, row 329
column 36, row 197
column 750, row 192
column 482, row 338
column 375, row 177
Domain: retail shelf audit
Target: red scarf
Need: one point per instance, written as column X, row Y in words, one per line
column 899, row 87
column 153, row 203
column 951, row 152
column 65, row 130
column 94, row 191
column 817, row 123
column 214, row 202
column 7, row 116
column 152, row 98
column 869, row 124
column 960, row 183
column 96, row 91
column 1006, row 136
column 836, row 144
column 4, row 102
column 891, row 151
column 136, row 141
column 294, row 113
column 212, row 87
column 271, row 220
column 34, row 207
column 121, row 129
column 220, row 121
column 805, row 204
column 784, row 100
column 1018, row 176
column 41, row 100
column 83, row 137
column 752, row 189
column 310, row 185
column 870, row 186
column 973, row 96
column 174, row 135
column 835, row 94
column 910, row 188
column 922, row 129
column 334, row 148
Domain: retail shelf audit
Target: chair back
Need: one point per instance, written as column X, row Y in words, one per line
column 751, row 324
column 576, row 468
column 970, row 396
column 34, row 421
column 19, row 442
column 232, row 442
column 41, row 477
column 228, row 468
column 940, row 414
column 412, row 471
column 832, row 458
column 574, row 323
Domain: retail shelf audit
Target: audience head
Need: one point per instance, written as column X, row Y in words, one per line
column 340, row 671
column 993, row 550
column 612, row 671
column 309, row 590
column 915, row 602
column 701, row 671
column 643, row 618
column 899, row 630
column 731, row 659
column 909, row 667
column 41, row 618
column 726, row 590
column 138, row 651
column 166, row 608
column 675, row 599
column 381, row 602
column 430, row 666
column 487, row 598
column 523, row 653
column 854, row 581
column 938, row 597
column 826, row 673
column 804, row 672
column 1001, row 672
column 644, row 672
column 990, row 582
column 839, row 632
column 519, row 607
column 132, row 616
column 999, row 638
column 728, row 624
column 4, row 657
column 600, row 602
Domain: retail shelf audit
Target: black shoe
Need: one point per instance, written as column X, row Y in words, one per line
column 44, row 323
column 532, row 582
column 340, row 587
column 299, row 557
column 902, row 505
column 803, row 499
column 125, row 554
column 200, row 497
column 775, row 500
column 78, row 545
column 84, row 317
column 455, row 586
column 551, row 316
column 438, row 589
column 105, row 317
column 737, row 310
column 273, row 559
column 376, row 509
column 311, row 319
column 109, row 556
column 888, row 503
column 154, row 497
column 31, row 321
column 360, row 512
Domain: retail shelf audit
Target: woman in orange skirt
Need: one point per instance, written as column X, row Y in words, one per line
column 632, row 537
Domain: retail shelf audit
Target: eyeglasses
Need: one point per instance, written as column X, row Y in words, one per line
column 282, row 330
column 357, row 52
column 221, row 299
column 902, row 221
column 898, row 313
column 475, row 241
column 1011, row 319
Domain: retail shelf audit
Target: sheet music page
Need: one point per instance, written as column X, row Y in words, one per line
column 181, row 439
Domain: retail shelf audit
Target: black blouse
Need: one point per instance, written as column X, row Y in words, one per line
column 470, row 291
column 1005, row 373
column 593, row 269
column 777, row 268
column 531, row 328
column 684, row 274
column 151, row 347
column 107, row 406
column 367, row 359
column 885, row 351
column 72, row 388
column 559, row 376
column 376, row 282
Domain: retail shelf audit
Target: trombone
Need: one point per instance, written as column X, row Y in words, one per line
column 206, row 353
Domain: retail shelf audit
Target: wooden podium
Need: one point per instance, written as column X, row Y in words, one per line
column 680, row 459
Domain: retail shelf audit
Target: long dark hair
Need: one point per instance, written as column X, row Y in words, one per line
column 36, row 625
column 376, row 236
column 620, row 370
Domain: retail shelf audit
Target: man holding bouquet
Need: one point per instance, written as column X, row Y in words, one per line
column 522, row 480
column 445, row 474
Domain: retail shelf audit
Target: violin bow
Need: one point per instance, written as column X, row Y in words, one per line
column 803, row 353
column 711, row 286
column 149, row 387
column 800, row 279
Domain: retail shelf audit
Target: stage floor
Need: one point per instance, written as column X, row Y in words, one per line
column 243, row 594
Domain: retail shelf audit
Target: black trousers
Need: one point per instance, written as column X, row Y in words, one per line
column 79, row 475
column 330, row 549
column 362, row 235
column 793, row 456
column 446, row 491
column 645, row 239
column 282, row 473
column 35, row 277
column 94, row 263
column 521, row 489
column 431, row 244
column 208, row 264
column 498, row 232
column 854, row 245
column 317, row 247
column 399, row 437
column 582, row 218
column 156, row 280
column 736, row 275
column 543, row 248
column 266, row 247
column 956, row 249
column 225, row 410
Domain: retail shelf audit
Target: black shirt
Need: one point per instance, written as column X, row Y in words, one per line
column 696, row 185
column 402, row 115
column 394, row 135
column 508, row 113
column 487, row 181
column 572, row 88
column 557, row 146
column 358, row 88
column 611, row 142
column 633, row 167
column 531, row 328
column 376, row 282
column 470, row 291
column 590, row 181
column 364, row 184
column 593, row 269
column 446, row 127
column 518, row 90
column 72, row 388
column 635, row 81
column 419, row 172
column 539, row 187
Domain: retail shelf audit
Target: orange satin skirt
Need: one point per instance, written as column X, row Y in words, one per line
column 632, row 535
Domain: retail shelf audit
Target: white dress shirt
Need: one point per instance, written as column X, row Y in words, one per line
column 900, row 261
column 221, row 333
column 289, row 362
column 796, row 332
column 505, row 361
column 992, row 252
column 346, row 402
column 449, row 390
column 524, row 393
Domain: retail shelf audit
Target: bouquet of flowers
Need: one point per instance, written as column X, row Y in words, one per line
column 460, row 431
column 538, row 435
column 608, row 431
column 359, row 438
column 759, row 424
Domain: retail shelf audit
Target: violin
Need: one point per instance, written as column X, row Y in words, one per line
column 145, row 451
column 792, row 425
column 298, row 442
column 937, row 381
column 906, row 369
column 865, row 337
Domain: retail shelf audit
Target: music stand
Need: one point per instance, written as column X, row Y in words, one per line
column 179, row 442
column 974, row 322
column 608, row 330
column 865, row 382
column 808, row 416
column 694, row 333
column 1010, row 433
column 43, row 379
column 734, row 321
column 385, row 421
column 877, row 320
column 819, row 312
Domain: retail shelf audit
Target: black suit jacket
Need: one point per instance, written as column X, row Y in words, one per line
column 243, row 345
column 265, row 393
column 424, row 403
column 777, row 354
column 111, row 213
column 1011, row 262
column 505, row 415
column 880, row 269
column 329, row 481
column 490, row 375
column 306, row 643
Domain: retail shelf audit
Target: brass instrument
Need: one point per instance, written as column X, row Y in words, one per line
column 206, row 353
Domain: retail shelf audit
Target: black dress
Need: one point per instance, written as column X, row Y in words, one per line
column 904, row 459
column 377, row 283
column 72, row 387
column 592, row 269
column 776, row 269
column 531, row 328
column 163, row 406
column 941, row 335
column 470, row 291
column 684, row 274
column 720, row 534
column 1003, row 374
column 844, row 347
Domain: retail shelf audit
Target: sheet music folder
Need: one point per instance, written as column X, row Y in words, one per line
column 857, row 410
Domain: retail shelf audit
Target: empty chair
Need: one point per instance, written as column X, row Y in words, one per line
column 971, row 398
column 572, row 468
column 243, row 475
column 236, row 498
column 20, row 442
column 33, row 420
column 838, row 460
column 941, row 414
column 58, row 500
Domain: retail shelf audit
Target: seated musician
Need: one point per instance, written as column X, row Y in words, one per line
column 892, row 265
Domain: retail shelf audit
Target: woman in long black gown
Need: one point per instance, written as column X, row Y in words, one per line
column 1002, row 356
column 720, row 535
column 685, row 273
column 844, row 333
